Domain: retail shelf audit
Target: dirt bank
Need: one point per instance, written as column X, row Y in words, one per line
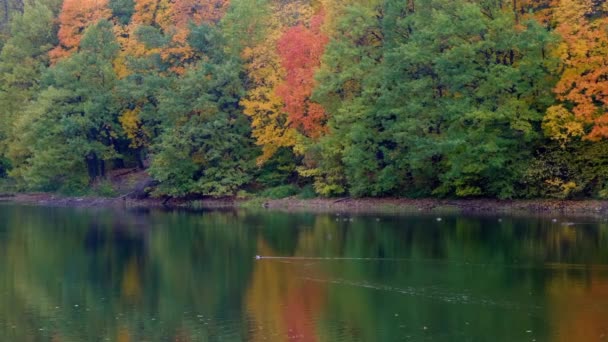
column 396, row 205
column 386, row 205
column 54, row 200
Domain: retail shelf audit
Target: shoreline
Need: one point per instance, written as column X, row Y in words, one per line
column 324, row 205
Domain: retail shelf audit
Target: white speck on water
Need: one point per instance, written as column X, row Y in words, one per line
column 554, row 220
column 499, row 220
column 75, row 305
column 529, row 331
column 439, row 219
column 425, row 328
column 396, row 315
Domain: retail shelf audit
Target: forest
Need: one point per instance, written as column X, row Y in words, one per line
column 363, row 98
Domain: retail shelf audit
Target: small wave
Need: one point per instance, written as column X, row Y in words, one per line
column 430, row 293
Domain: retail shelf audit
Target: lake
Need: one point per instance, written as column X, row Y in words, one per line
column 148, row 275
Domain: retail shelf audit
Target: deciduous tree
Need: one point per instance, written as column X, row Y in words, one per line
column 75, row 17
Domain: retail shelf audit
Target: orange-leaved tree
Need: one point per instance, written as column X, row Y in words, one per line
column 583, row 87
column 75, row 16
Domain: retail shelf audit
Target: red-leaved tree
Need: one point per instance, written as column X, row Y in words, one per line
column 300, row 49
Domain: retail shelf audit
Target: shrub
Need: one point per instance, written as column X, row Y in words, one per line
column 281, row 191
column 307, row 192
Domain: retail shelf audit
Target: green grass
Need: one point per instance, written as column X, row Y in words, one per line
column 253, row 203
column 105, row 189
column 307, row 192
column 279, row 192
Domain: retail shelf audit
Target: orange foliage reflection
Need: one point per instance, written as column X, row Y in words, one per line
column 578, row 306
column 281, row 302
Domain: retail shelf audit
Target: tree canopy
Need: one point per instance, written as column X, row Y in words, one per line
column 503, row 99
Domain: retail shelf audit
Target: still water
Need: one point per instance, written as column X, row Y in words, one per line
column 96, row 275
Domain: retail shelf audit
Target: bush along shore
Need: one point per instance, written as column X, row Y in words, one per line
column 133, row 188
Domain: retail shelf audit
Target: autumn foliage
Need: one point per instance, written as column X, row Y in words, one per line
column 76, row 15
column 584, row 52
column 447, row 98
column 198, row 11
column 301, row 49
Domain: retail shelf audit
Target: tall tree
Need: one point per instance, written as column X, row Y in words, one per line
column 8, row 9
column 300, row 49
column 348, row 85
column 71, row 131
column 458, row 100
column 270, row 121
column 22, row 63
column 583, row 88
column 262, row 104
column 205, row 148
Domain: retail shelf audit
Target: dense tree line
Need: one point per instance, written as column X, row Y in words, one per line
column 446, row 98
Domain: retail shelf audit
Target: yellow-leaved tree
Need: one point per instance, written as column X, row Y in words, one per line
column 269, row 120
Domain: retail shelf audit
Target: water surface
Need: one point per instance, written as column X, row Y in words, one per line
column 101, row 275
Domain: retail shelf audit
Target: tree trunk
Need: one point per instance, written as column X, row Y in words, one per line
column 5, row 16
column 92, row 166
column 139, row 155
column 102, row 168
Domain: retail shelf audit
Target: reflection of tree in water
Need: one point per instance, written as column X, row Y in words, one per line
column 492, row 263
column 280, row 230
column 120, row 276
column 282, row 304
column 574, row 310
column 118, row 250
